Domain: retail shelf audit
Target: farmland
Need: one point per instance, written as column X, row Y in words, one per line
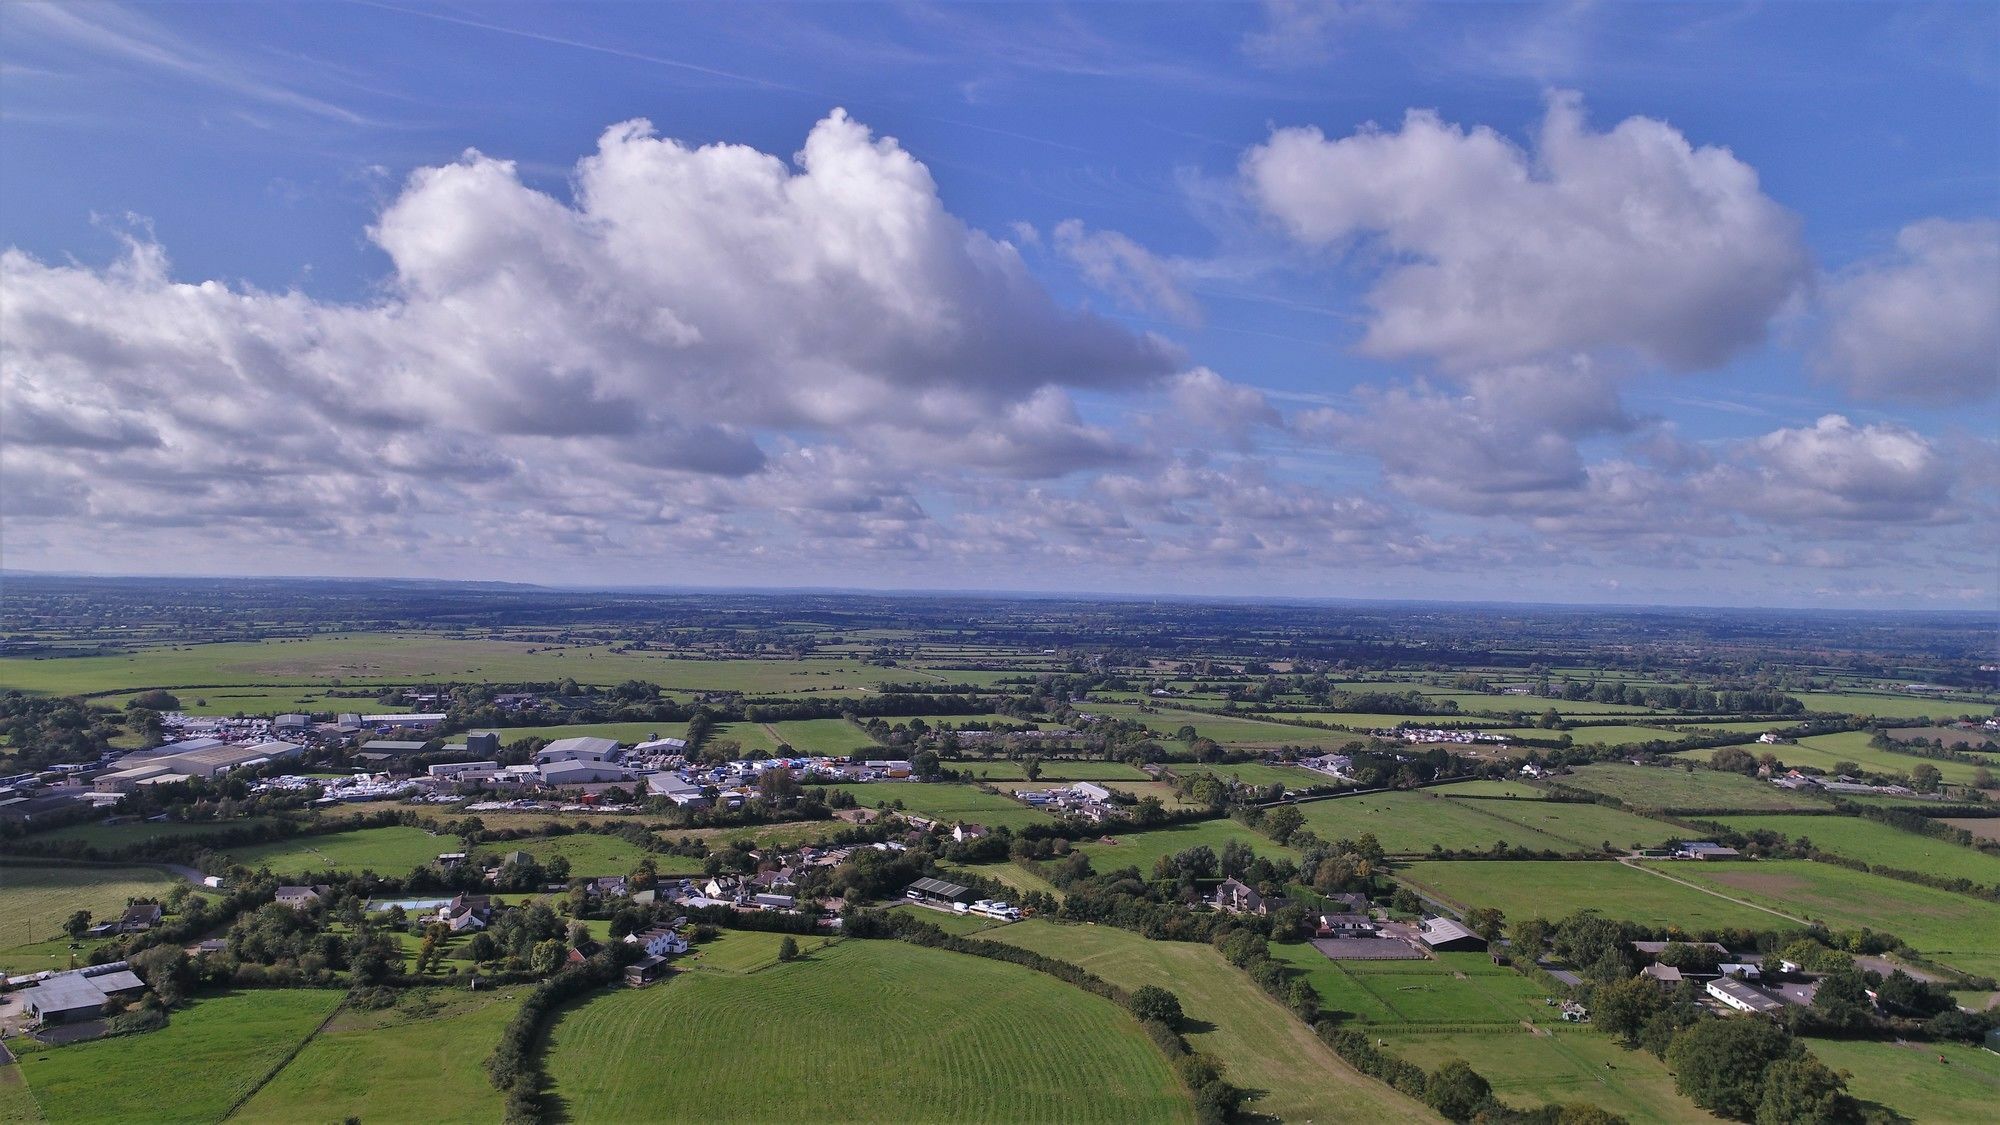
column 1409, row 823
column 1557, row 1064
column 1825, row 752
column 1616, row 735
column 1141, row 849
column 1553, row 889
column 35, row 900
column 1892, row 706
column 1265, row 1047
column 1259, row 773
column 1921, row 1081
column 112, row 837
column 834, row 737
column 1452, row 990
column 949, row 1037
column 422, row 1060
column 1954, row 929
column 1879, row 844
column 1054, row 770
column 193, row 1070
column 589, row 853
column 947, row 802
column 1650, row 787
column 386, row 851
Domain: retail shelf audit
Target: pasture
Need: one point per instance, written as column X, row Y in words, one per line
column 423, row 1060
column 264, row 701
column 1824, row 752
column 1607, row 735
column 627, row 733
column 1553, row 889
column 1876, row 843
column 1054, row 770
column 1586, row 825
column 35, row 900
column 746, row 951
column 1510, row 790
column 1667, row 789
column 1894, row 706
column 947, row 802
column 752, row 739
column 1228, row 730
column 1910, row 1078
column 1015, row 875
column 192, row 1070
column 1142, row 849
column 1453, row 990
column 1552, row 1065
column 1265, row 1047
column 114, row 837
column 385, row 851
column 831, row 737
column 1953, row 929
column 590, row 854
column 947, row 1038
column 1256, row 773
column 1408, row 823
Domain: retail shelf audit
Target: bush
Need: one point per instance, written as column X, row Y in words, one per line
column 1151, row 1002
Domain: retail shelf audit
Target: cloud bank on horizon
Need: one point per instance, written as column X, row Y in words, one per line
column 699, row 361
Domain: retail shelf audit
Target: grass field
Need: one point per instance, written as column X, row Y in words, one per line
column 1453, row 990
column 1877, row 843
column 1409, row 823
column 111, row 837
column 1513, row 790
column 1666, row 789
column 1054, row 771
column 1558, row 1064
column 947, row 802
column 943, row 1037
column 628, row 733
column 1953, row 929
column 408, row 658
column 1908, row 1078
column 264, row 701
column 192, row 1070
column 1141, row 849
column 833, row 737
column 1553, row 888
column 1229, row 730
column 36, row 900
column 1014, row 875
column 422, row 1061
column 1585, row 825
column 754, row 739
column 1896, row 706
column 385, row 851
column 1823, row 751
column 745, row 951
column 1265, row 1047
column 1257, row 773
column 17, row 1104
column 589, row 854
column 1611, row 735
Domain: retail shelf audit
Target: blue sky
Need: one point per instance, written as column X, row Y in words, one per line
column 1676, row 303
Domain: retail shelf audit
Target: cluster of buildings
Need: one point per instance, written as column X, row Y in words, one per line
column 1843, row 785
column 1439, row 734
column 1085, row 799
column 1731, row 984
column 48, row 998
column 197, row 758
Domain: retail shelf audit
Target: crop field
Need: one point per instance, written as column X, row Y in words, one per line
column 1874, row 842
column 192, row 1070
column 1054, row 770
column 385, row 851
column 1257, row 773
column 1910, row 1078
column 36, row 900
column 1823, row 752
column 833, row 737
column 1554, row 888
column 1265, row 1047
column 590, row 854
column 422, row 1060
column 1954, row 929
column 1896, row 706
column 1956, row 737
column 1984, row 828
column 111, row 837
column 947, row 802
column 1142, row 849
column 1453, row 990
column 392, row 658
column 948, row 1038
column 1666, row 789
column 1409, row 823
column 1551, row 1065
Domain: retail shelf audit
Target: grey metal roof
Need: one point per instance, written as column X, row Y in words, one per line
column 70, row 992
column 939, row 888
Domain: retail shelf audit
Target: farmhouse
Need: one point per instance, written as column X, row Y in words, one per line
column 1238, row 897
column 1448, row 936
column 301, row 898
column 140, row 918
column 963, row 832
column 660, row 941
column 1742, row 997
column 1666, row 976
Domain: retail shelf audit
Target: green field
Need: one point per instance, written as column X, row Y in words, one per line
column 1257, row 773
column 385, row 851
column 1910, row 1079
column 409, row 658
column 755, row 740
column 112, row 837
column 1141, row 849
column 1453, row 990
column 1667, row 789
column 863, row 1031
column 1555, row 888
column 36, row 900
column 1266, row 1048
column 1054, row 771
column 422, row 1061
column 1896, row 706
column 192, row 1070
column 832, row 737
column 1558, row 1064
column 1953, row 929
column 1511, row 790
column 745, row 951
column 1229, row 730
column 627, row 733
column 1587, row 825
column 1823, row 751
column 1607, row 735
column 589, row 854
column 264, row 701
column 948, row 802
column 1409, row 823
column 1015, row 875
column 1876, row 843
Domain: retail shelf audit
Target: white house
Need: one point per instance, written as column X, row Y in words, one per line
column 660, row 941
column 1742, row 997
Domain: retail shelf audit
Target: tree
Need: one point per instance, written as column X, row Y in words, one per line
column 1280, row 823
column 1804, row 1091
column 548, row 957
column 788, row 949
column 1457, row 1091
column 1531, row 936
column 482, row 947
column 155, row 700
column 1151, row 1002
column 76, row 925
column 1487, row 921
column 1982, row 778
column 1622, row 1007
column 1733, row 759
column 1303, row 998
column 1719, row 1064
column 1031, row 767
column 1925, row 778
